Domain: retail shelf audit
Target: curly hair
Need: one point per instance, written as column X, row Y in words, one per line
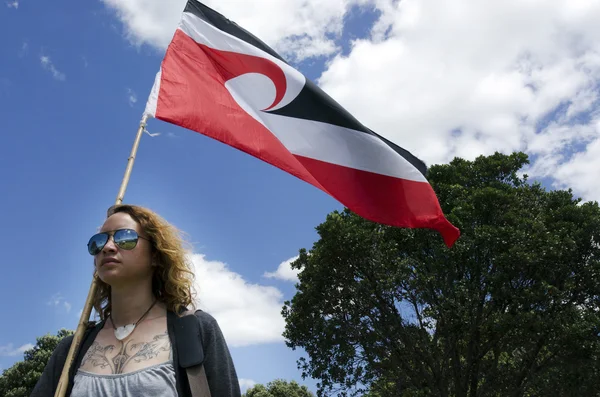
column 172, row 282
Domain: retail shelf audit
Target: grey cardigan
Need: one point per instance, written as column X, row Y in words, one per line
column 191, row 343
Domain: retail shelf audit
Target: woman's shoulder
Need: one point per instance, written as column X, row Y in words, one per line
column 62, row 348
column 220, row 370
column 205, row 318
column 210, row 331
column 66, row 341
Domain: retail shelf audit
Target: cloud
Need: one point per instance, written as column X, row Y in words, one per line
column 57, row 300
column 131, row 97
column 246, row 384
column 578, row 170
column 303, row 28
column 48, row 65
column 10, row 351
column 284, row 271
column 441, row 79
column 25, row 347
column 248, row 313
column 467, row 78
column 13, row 4
column 24, row 49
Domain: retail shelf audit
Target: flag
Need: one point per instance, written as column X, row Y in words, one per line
column 220, row 80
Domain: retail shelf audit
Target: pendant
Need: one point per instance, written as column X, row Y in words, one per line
column 124, row 331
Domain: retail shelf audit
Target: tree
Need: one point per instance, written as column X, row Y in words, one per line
column 511, row 310
column 279, row 388
column 20, row 379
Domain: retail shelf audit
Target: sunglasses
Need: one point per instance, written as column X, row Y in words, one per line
column 126, row 239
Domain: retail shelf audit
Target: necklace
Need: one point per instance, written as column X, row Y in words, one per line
column 126, row 330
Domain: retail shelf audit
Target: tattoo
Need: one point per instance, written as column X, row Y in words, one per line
column 98, row 356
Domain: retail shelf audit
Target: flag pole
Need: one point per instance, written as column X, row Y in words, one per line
column 87, row 309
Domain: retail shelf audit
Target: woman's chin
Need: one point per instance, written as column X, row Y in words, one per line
column 109, row 276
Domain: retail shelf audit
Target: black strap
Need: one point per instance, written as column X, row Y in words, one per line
column 191, row 353
column 198, row 381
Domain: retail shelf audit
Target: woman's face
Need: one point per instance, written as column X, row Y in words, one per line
column 115, row 265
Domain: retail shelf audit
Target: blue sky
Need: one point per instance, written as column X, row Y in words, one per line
column 74, row 77
column 64, row 147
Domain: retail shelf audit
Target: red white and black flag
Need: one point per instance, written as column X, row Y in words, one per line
column 220, row 80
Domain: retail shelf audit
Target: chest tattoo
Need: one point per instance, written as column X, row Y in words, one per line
column 102, row 356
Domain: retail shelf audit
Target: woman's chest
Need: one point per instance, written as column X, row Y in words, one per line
column 146, row 347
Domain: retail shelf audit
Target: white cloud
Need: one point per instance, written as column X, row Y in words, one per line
column 12, row 4
column 284, row 271
column 25, row 347
column 581, row 169
column 246, row 384
column 247, row 313
column 24, row 49
column 48, row 65
column 494, row 71
column 131, row 97
column 441, row 79
column 10, row 351
column 57, row 300
column 302, row 28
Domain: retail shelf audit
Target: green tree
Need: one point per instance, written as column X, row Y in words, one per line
column 20, row 379
column 511, row 310
column 279, row 388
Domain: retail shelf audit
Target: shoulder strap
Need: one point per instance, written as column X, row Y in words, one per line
column 195, row 370
column 198, row 381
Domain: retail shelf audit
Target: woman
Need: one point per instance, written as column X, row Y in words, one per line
column 142, row 346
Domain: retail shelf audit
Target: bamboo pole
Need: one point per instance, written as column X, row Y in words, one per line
column 87, row 309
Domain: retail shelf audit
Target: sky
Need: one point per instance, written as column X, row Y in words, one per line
column 441, row 79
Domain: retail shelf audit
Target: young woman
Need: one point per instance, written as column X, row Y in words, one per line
column 141, row 346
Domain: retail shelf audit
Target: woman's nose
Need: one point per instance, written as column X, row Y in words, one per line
column 110, row 245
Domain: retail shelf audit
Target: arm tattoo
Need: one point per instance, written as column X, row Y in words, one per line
column 97, row 355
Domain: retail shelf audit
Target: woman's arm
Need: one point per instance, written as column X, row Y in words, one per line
column 48, row 382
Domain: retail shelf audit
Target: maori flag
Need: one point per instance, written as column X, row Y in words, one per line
column 219, row 80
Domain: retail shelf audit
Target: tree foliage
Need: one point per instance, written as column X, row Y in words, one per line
column 20, row 379
column 279, row 388
column 511, row 310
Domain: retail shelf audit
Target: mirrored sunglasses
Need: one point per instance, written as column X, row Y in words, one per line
column 126, row 239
